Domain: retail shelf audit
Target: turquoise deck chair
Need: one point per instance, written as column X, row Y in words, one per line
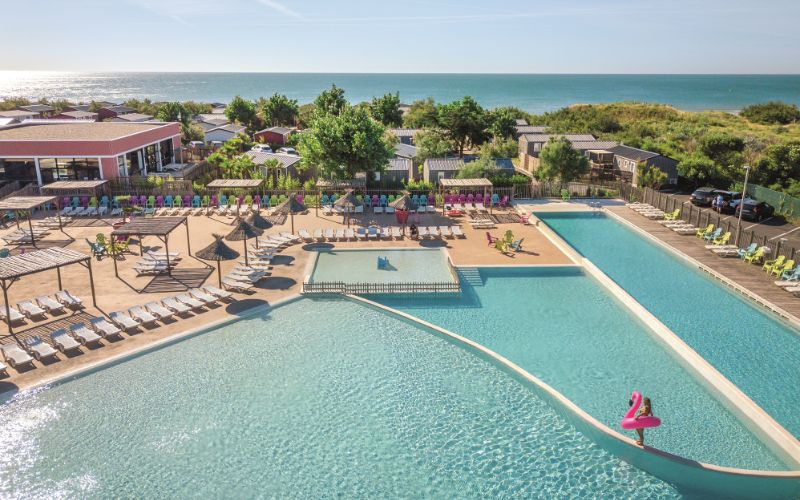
column 196, row 201
column 265, row 201
column 168, row 200
column 223, row 200
column 325, row 199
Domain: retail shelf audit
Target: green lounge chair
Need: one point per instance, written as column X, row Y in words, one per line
column 744, row 252
column 703, row 232
column 673, row 215
column 713, row 236
column 756, row 256
column 564, row 195
column 787, row 267
column 722, row 240
column 769, row 265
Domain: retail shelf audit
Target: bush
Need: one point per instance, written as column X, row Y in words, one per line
column 771, row 113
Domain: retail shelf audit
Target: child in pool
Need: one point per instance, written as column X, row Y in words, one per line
column 645, row 411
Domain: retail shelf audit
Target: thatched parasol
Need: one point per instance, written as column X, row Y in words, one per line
column 402, row 206
column 291, row 207
column 242, row 230
column 348, row 202
column 260, row 222
column 218, row 251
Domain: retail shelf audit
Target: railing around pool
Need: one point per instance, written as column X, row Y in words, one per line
column 339, row 287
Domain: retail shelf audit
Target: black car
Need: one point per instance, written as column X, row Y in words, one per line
column 729, row 200
column 756, row 210
column 703, row 197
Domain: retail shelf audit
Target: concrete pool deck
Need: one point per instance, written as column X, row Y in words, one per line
column 286, row 278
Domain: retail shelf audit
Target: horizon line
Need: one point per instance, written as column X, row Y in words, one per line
column 457, row 73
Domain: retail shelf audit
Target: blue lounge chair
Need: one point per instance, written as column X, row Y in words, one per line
column 716, row 234
column 791, row 274
column 743, row 252
column 517, row 245
column 325, row 199
column 265, row 201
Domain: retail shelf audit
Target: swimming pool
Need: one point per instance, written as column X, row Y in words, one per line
column 752, row 348
column 410, row 265
column 314, row 398
column 564, row 328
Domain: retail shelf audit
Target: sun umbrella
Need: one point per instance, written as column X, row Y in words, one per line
column 291, row 207
column 402, row 206
column 348, row 202
column 260, row 222
column 218, row 251
column 242, row 230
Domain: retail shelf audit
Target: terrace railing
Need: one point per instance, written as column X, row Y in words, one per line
column 340, row 288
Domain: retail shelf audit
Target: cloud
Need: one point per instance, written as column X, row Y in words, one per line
column 279, row 7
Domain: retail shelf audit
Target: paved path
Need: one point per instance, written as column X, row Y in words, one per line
column 748, row 276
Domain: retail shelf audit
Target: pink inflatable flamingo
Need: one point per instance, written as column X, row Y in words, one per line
column 630, row 422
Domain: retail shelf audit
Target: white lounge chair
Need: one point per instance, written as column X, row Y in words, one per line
column 238, row 286
column 155, row 269
column 430, row 209
column 158, row 310
column 162, row 255
column 84, row 334
column 15, row 315
column 202, row 296
column 123, row 321
column 142, row 316
column 329, row 235
column 377, row 210
column 389, row 210
column 340, row 234
column 423, row 231
column 39, row 348
column 49, row 305
column 63, row 342
column 289, row 236
column 349, row 234
column 245, row 276
column 385, row 233
column 174, row 305
column 218, row 292
column 304, row 234
column 104, row 328
column 457, row 231
column 31, row 310
column 15, row 356
column 189, row 301
column 397, row 233
column 433, row 231
column 445, row 230
column 68, row 299
column 359, row 209
column 318, row 234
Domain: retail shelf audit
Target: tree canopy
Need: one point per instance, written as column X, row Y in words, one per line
column 386, row 109
column 559, row 160
column 421, row 114
column 649, row 176
column 342, row 145
column 279, row 110
column 773, row 112
column 431, row 144
column 502, row 123
column 464, row 122
column 241, row 111
column 173, row 112
column 330, row 102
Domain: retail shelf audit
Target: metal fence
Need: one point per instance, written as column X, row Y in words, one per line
column 577, row 189
column 338, row 287
column 702, row 218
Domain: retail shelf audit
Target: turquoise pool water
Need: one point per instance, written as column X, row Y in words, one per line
column 562, row 327
column 361, row 266
column 313, row 399
column 757, row 352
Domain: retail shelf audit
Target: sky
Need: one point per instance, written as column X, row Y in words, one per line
column 404, row 36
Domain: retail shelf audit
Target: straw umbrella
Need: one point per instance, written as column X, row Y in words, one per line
column 291, row 207
column 260, row 222
column 243, row 230
column 218, row 251
column 348, row 202
column 402, row 206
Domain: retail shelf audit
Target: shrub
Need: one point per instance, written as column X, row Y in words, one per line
column 771, row 113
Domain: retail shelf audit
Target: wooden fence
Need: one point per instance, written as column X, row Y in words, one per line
column 338, row 287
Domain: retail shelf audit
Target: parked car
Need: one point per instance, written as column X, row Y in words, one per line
column 703, row 197
column 261, row 148
column 755, row 210
column 288, row 151
column 728, row 197
column 197, row 144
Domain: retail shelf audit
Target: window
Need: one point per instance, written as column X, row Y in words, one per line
column 121, row 167
column 76, row 169
column 18, row 169
column 167, row 152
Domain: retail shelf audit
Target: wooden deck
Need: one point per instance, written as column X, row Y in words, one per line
column 750, row 277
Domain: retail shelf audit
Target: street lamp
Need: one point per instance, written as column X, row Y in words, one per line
column 741, row 204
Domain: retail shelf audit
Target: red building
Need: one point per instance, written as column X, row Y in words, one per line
column 85, row 150
column 110, row 112
column 274, row 135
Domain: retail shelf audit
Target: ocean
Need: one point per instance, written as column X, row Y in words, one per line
column 533, row 93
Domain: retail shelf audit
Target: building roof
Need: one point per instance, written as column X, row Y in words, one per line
column 504, row 163
column 277, row 130
column 120, row 110
column 24, row 202
column 206, row 117
column 79, row 107
column 36, row 261
column 259, row 157
column 479, row 182
column 216, row 122
column 586, row 145
column 547, row 137
column 79, row 114
column 632, row 153
column 38, row 108
column 405, row 132
column 7, row 121
column 60, row 130
column 17, row 113
column 403, row 164
column 229, row 127
column 235, row 183
column 405, row 150
column 134, row 117
column 149, row 226
column 444, row 163
column 520, row 122
column 74, row 185
column 531, row 129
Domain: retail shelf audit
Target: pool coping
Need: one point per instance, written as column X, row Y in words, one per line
column 154, row 346
column 755, row 418
column 574, row 409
